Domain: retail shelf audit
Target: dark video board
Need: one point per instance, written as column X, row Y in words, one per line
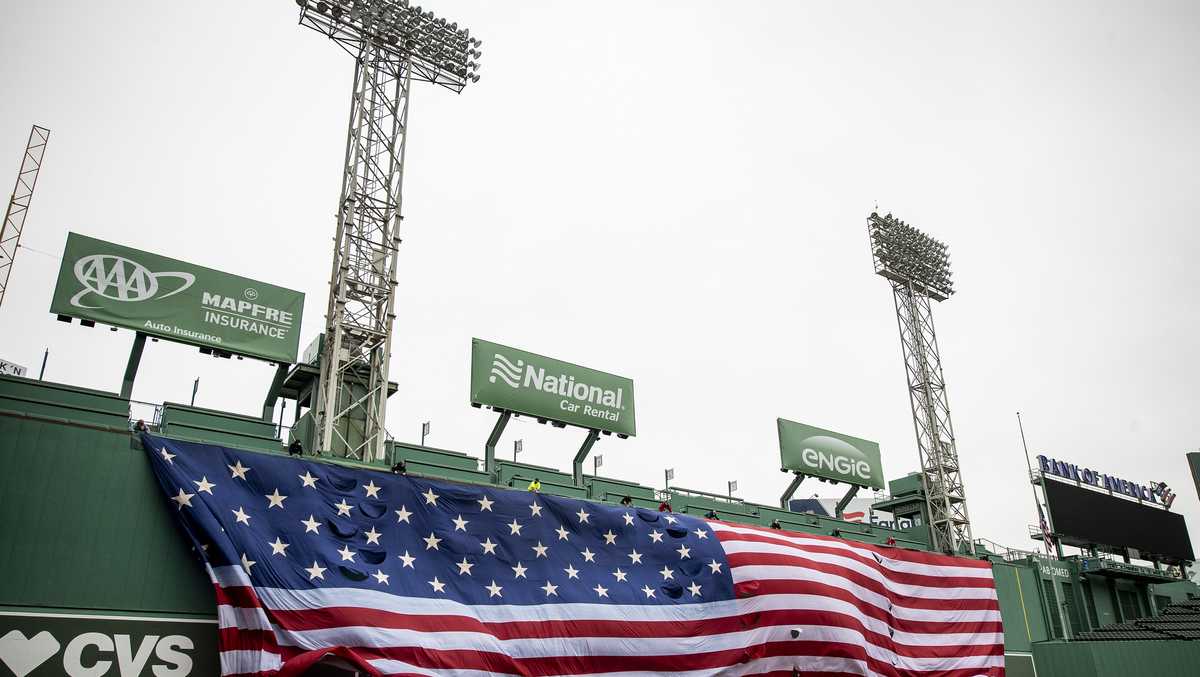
column 1084, row 516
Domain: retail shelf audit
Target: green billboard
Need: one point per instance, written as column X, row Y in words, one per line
column 35, row 643
column 823, row 453
column 535, row 385
column 172, row 299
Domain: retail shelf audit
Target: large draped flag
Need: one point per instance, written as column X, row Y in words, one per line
column 406, row 575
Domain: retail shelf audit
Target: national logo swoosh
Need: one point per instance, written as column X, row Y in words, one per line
column 506, row 371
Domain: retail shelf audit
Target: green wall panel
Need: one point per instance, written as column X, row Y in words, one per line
column 1176, row 658
column 85, row 526
column 1019, row 592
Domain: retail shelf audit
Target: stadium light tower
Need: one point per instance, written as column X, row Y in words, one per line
column 918, row 268
column 393, row 45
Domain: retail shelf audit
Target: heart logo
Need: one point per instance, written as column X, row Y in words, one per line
column 23, row 655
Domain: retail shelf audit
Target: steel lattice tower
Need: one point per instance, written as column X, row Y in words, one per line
column 18, row 204
column 918, row 268
column 393, row 45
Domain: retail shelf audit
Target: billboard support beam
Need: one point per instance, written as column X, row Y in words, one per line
column 268, row 412
column 582, row 454
column 841, row 505
column 791, row 490
column 131, row 367
column 489, row 449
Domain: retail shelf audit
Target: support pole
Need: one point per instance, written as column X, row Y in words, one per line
column 489, row 450
column 791, row 490
column 841, row 505
column 268, row 411
column 584, row 450
column 131, row 367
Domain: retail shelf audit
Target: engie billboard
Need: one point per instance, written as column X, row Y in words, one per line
column 824, row 453
column 536, row 385
column 175, row 300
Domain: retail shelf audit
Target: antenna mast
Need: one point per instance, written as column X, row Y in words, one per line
column 18, row 204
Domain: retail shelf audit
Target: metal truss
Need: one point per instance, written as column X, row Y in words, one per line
column 18, row 205
column 354, row 365
column 944, row 493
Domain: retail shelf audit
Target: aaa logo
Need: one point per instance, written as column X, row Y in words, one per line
column 121, row 279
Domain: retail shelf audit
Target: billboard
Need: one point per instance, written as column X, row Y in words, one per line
column 1084, row 517
column 823, row 453
column 11, row 368
column 536, row 385
column 34, row 644
column 175, row 300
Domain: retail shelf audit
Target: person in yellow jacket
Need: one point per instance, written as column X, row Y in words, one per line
column 535, row 485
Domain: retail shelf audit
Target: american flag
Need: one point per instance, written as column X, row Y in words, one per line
column 405, row 575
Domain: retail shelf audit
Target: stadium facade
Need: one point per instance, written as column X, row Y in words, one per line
column 98, row 579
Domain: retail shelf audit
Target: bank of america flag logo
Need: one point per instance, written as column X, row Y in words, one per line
column 405, row 575
column 505, row 370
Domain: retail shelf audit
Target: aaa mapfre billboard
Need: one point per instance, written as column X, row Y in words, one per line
column 823, row 453
column 536, row 385
column 175, row 300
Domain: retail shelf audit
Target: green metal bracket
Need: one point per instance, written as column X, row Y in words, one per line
column 268, row 412
column 489, row 450
column 582, row 454
column 841, row 505
column 131, row 367
column 791, row 490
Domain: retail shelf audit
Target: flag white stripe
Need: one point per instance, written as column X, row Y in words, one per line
column 381, row 638
column 237, row 662
column 284, row 599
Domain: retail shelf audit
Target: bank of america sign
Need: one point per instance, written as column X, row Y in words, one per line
column 536, row 385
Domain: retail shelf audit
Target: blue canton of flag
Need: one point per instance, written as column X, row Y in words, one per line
column 303, row 553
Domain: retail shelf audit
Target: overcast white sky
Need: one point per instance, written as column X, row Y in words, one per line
column 675, row 192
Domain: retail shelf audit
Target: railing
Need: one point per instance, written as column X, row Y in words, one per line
column 147, row 412
column 1006, row 553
